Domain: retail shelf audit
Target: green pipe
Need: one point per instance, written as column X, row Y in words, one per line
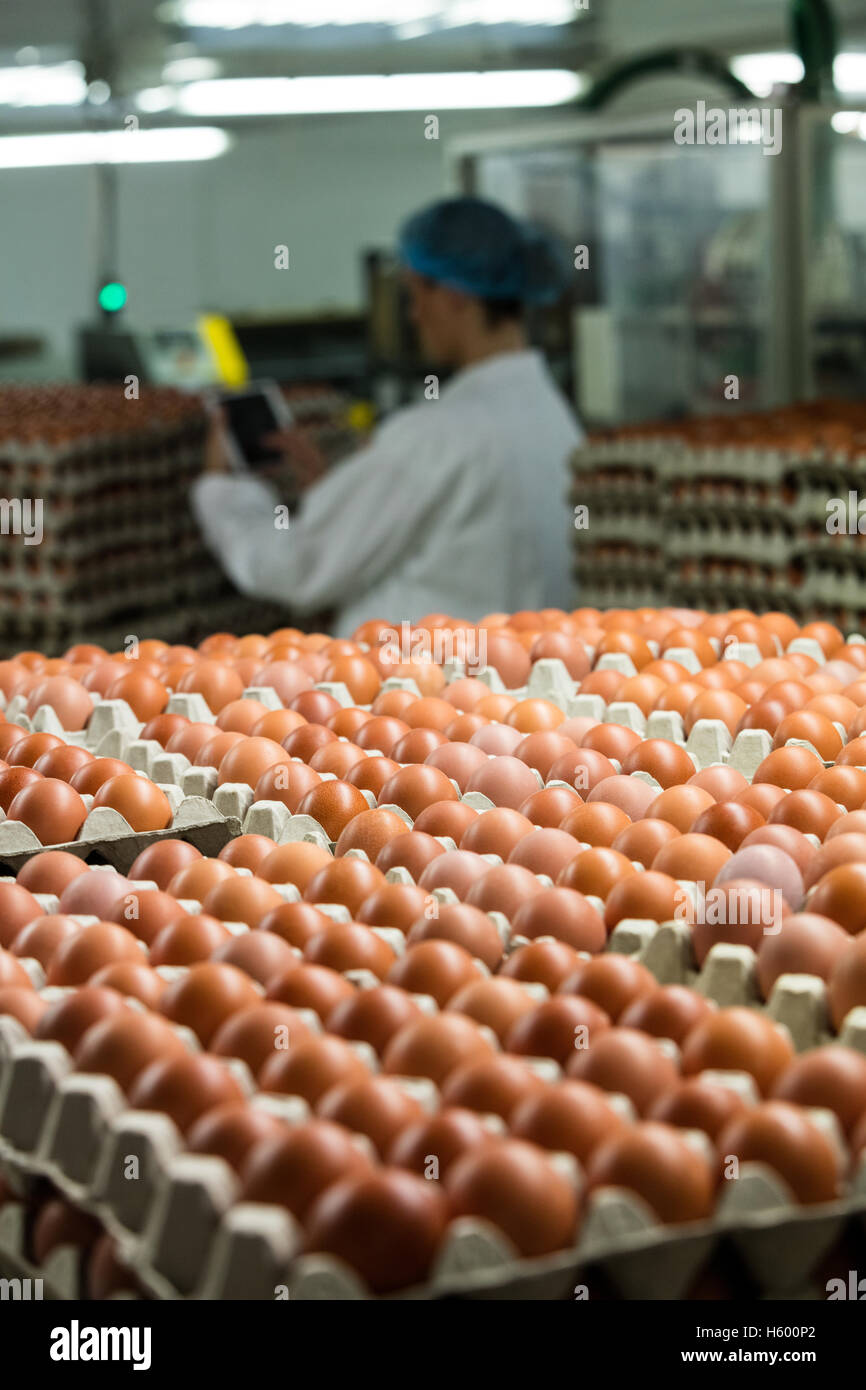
column 685, row 60
column 815, row 38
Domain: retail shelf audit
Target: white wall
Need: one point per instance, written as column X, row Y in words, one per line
column 202, row 236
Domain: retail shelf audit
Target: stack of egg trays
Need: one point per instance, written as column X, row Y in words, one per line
column 618, row 553
column 183, row 1230
column 106, row 837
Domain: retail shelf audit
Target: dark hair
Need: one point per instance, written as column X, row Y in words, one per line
column 498, row 311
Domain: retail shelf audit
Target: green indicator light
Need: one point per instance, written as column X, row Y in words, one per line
column 113, row 297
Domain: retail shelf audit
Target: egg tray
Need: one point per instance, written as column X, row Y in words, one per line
column 183, row 1231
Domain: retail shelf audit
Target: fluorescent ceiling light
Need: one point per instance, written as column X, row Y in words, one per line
column 428, row 91
column 764, row 71
column 113, row 147
column 850, row 123
column 192, row 69
column 849, row 72
column 446, row 14
column 57, row 84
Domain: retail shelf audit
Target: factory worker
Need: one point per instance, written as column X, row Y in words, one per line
column 458, row 503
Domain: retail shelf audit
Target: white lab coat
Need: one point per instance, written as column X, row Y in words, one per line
column 457, row 505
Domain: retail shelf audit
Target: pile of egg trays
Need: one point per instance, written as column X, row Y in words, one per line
column 181, row 1226
column 118, row 537
column 725, row 512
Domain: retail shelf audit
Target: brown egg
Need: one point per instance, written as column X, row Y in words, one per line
column 654, row 1161
column 69, row 700
column 496, row 831
column 316, row 706
column 190, row 938
column 260, row 954
column 93, row 775
column 783, row 1137
column 52, row 809
column 24, row 1005
column 78, row 957
column 505, row 780
column 372, row 1015
column 784, row 837
column 296, row 862
column 292, row 1169
column 806, row 945
column 582, row 768
column 849, row 848
column 12, row 973
column 541, row 750
column 831, row 1077
column 240, row 899
column 211, row 753
column 434, row 1046
column 699, row 1104
column 122, row 1044
column 545, row 851
column 464, row 693
column 160, row 862
column 492, row 1085
column 63, row 762
column 738, row 1039
column 513, row 1185
column 440, row 1138
column 145, row 913
column 250, row 758
column 723, row 783
column 549, row 807
column 306, row 740
column 810, row 812
column 50, row 871
column 509, row 658
column 205, row 997
column 372, row 773
column 40, row 939
column 286, row 782
column 370, row 830
column 231, row 1131
column 311, row 1067
column 465, row 925
column 698, row 858
column 92, row 893
column 57, row 1224
column 407, row 1213
column 716, row 704
column 313, row 987
column 396, row 905
column 456, row 869
column 381, row 734
column 542, row 962
column 571, row 1117
column 438, row 968
column 665, row 761
column 184, row 1087
column 131, row 978
column 200, row 877
column 350, row 946
column 768, row 865
column 622, row 1059
column 498, row 1003
column 247, row 851
column 563, row 914
column 162, row 726
column 613, row 982
column 345, row 723
column 651, row 895
column 847, row 985
column 140, row 802
column 412, row 852
column 680, row 806
column 668, row 1012
column 741, row 912
column 67, row 1019
column 631, row 794
column 641, row 841
column 844, row 785
column 811, row 727
column 839, row 895
column 333, row 804
column 556, row 1027
column 793, row 768
column 215, row 681
column 447, row 819
column 372, row 1105
column 295, row 923
column 145, row 695
column 597, row 823
column 728, row 822
column 504, row 888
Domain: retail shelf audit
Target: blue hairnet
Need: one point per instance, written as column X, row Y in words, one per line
column 474, row 246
